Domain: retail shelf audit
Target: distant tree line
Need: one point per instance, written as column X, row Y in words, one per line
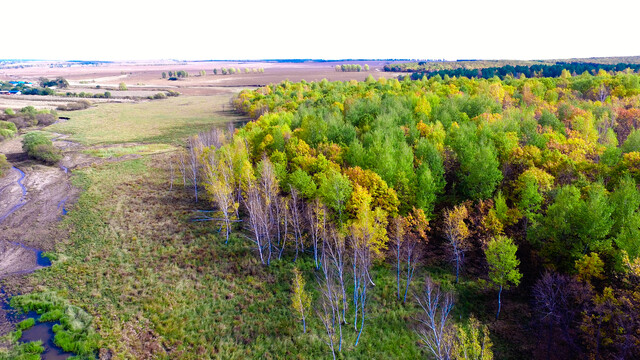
column 175, row 75
column 351, row 67
column 231, row 71
column 530, row 71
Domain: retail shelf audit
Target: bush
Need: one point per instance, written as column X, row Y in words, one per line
column 41, row 148
column 78, row 105
column 8, row 125
column 159, row 96
column 46, row 119
column 23, row 121
column 4, row 165
column 6, row 133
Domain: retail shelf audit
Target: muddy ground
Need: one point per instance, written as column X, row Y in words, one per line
column 29, row 217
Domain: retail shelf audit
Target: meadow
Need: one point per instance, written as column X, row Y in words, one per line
column 150, row 121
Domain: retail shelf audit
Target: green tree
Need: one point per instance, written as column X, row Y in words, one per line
column 334, row 190
column 632, row 143
column 503, row 265
column 625, row 201
column 122, row 86
column 164, row 75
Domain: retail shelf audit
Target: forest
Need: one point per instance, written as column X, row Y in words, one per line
column 525, row 188
column 529, row 71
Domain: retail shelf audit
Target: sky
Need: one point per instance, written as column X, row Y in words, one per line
column 327, row 29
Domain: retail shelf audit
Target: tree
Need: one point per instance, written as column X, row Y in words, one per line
column 366, row 67
column 122, row 86
column 408, row 233
column 215, row 71
column 503, row 264
column 219, row 183
column 434, row 330
column 473, row 341
column 456, row 233
column 300, row 300
column 164, row 75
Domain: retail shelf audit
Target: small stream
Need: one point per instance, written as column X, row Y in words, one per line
column 22, row 199
column 40, row 331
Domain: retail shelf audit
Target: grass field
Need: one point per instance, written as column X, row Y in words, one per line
column 118, row 151
column 165, row 121
column 160, row 285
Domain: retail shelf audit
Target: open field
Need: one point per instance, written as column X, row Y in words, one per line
column 140, row 76
column 166, row 120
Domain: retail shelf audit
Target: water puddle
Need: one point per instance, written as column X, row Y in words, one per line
column 44, row 332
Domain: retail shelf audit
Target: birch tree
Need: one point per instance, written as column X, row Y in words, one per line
column 503, row 264
column 434, row 330
column 300, row 300
column 456, row 233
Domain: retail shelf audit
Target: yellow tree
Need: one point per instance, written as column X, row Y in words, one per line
column 219, row 184
column 368, row 238
column 300, row 300
column 457, row 233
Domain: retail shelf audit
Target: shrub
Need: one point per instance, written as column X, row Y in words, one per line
column 23, row 121
column 41, row 148
column 78, row 105
column 6, row 133
column 46, row 119
column 4, row 165
column 8, row 125
column 159, row 96
column 48, row 154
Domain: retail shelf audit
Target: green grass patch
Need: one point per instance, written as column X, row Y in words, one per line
column 74, row 333
column 118, row 151
column 167, row 121
column 26, row 324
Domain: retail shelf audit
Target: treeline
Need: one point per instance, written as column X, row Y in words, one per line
column 427, row 66
column 351, row 68
column 496, row 182
column 231, row 71
column 175, row 75
column 528, row 71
